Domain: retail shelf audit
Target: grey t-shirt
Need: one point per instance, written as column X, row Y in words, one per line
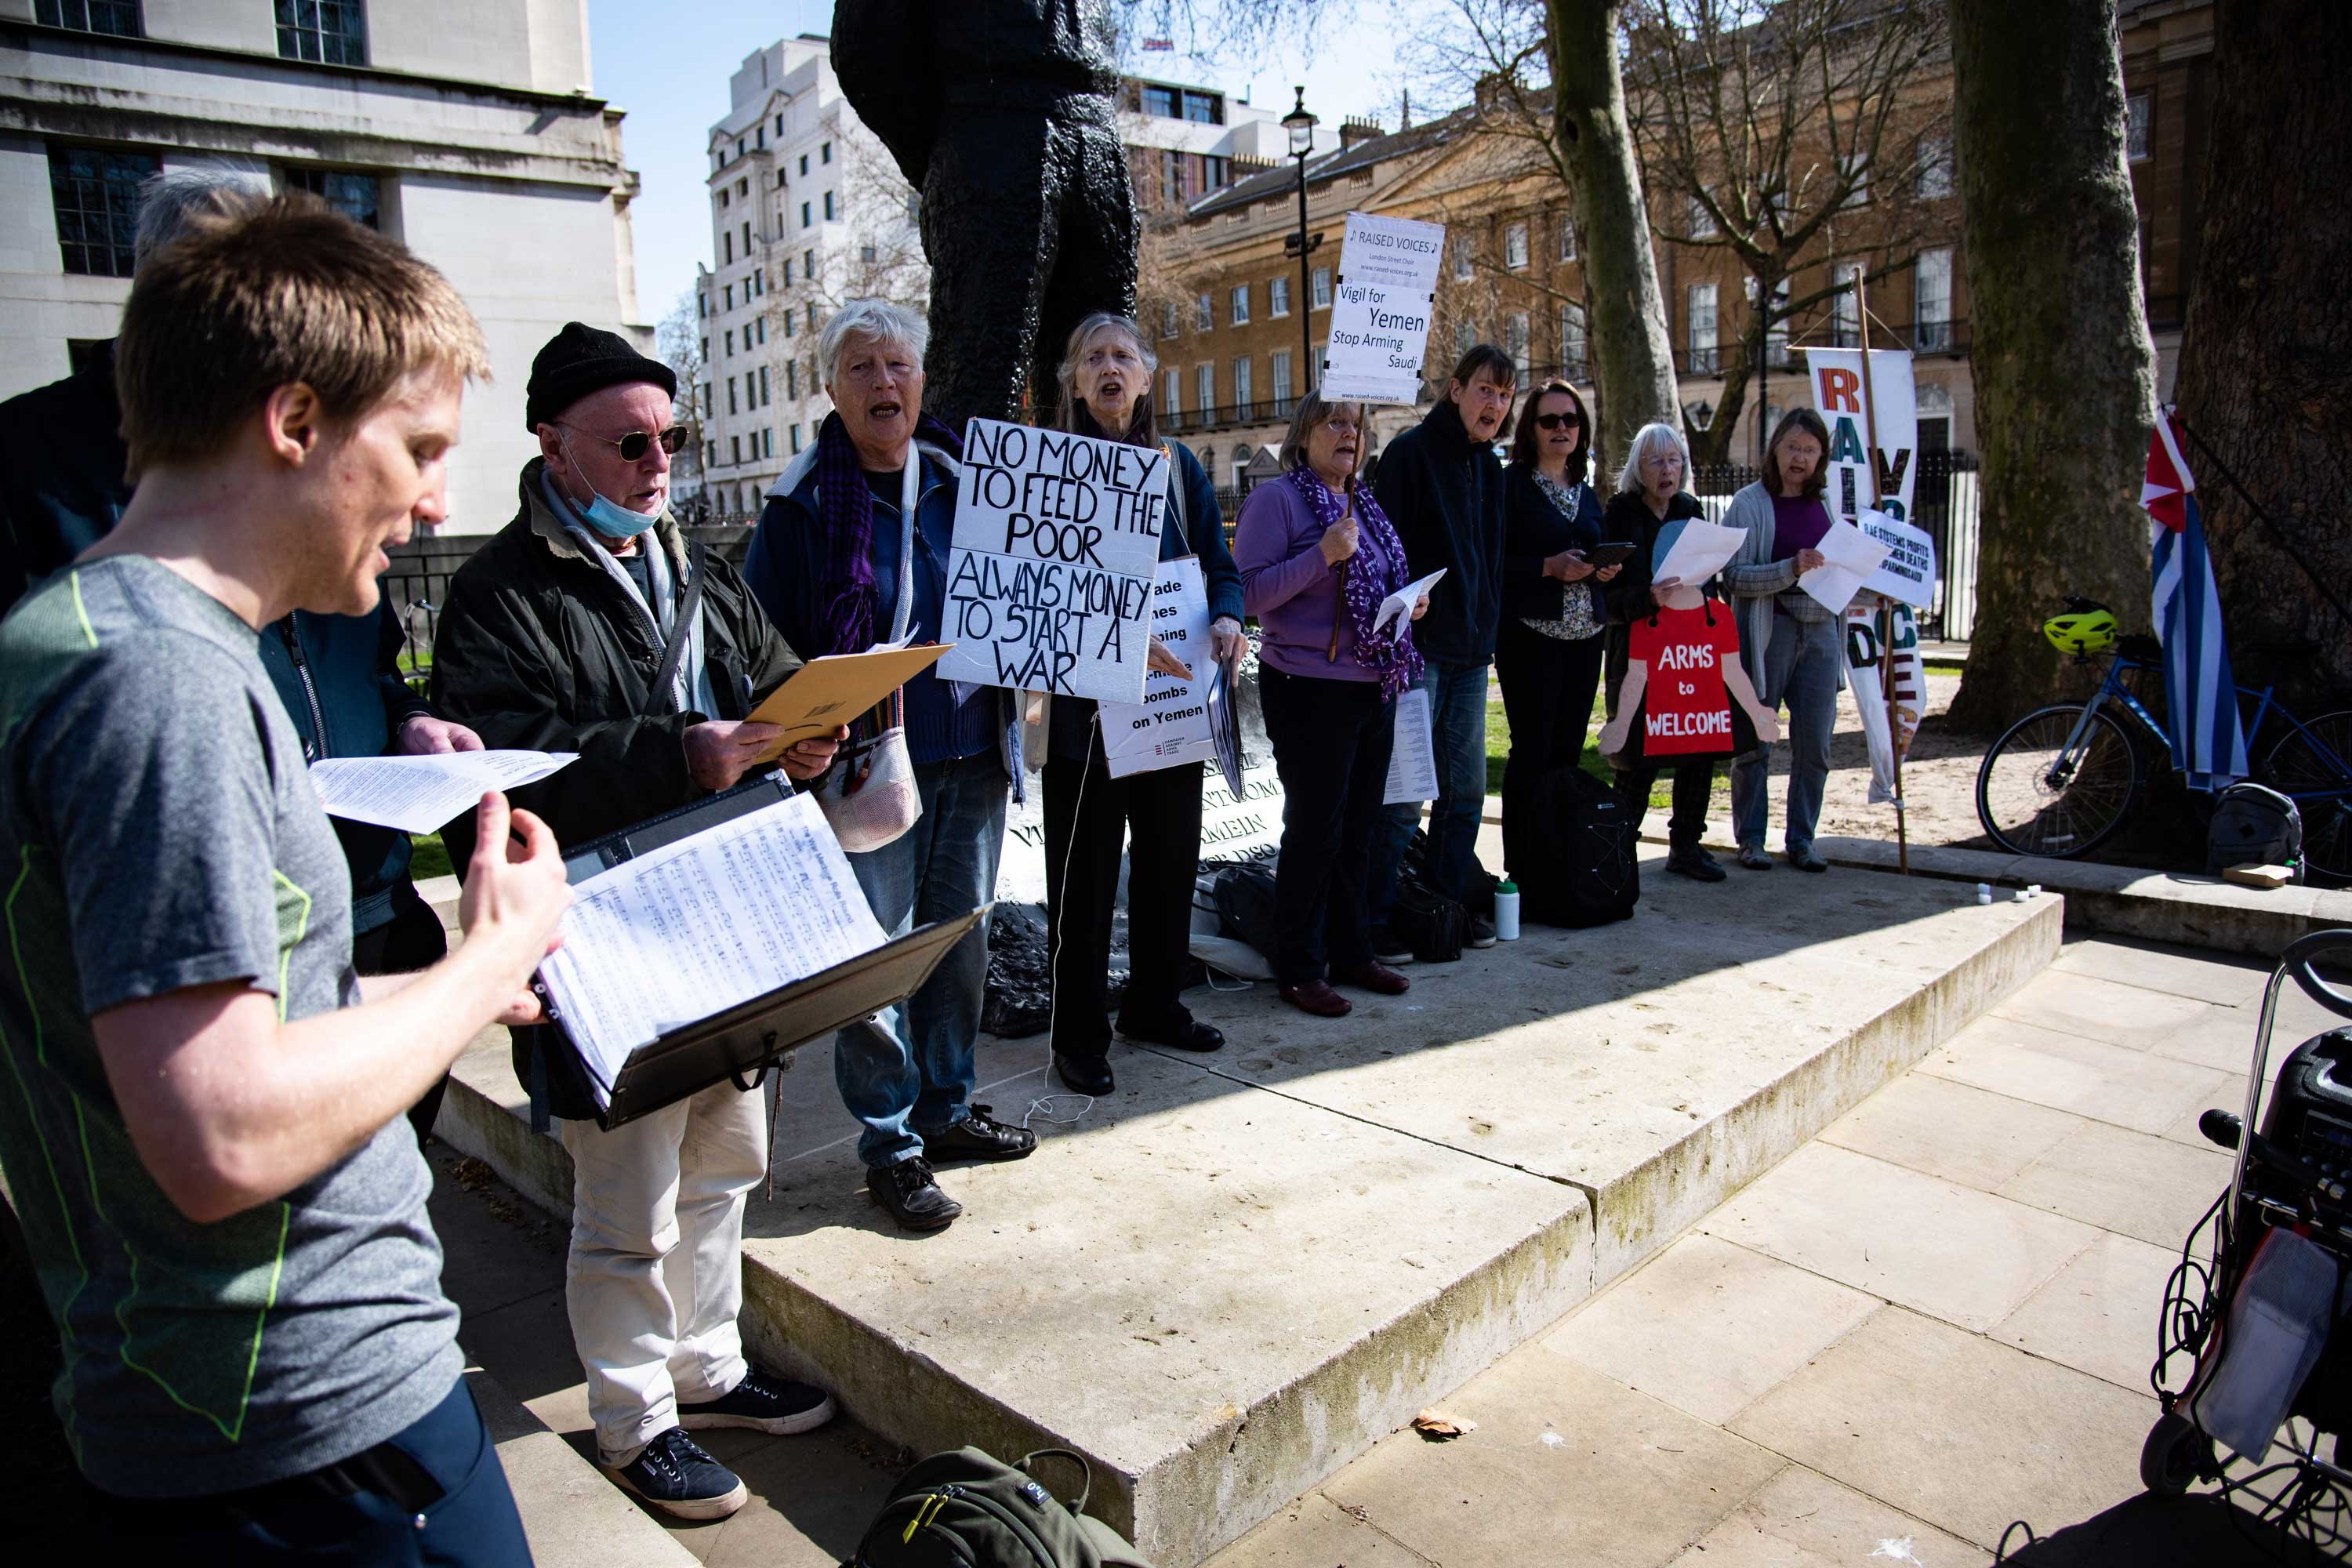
column 158, row 831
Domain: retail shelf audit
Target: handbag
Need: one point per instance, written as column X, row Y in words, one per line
column 870, row 797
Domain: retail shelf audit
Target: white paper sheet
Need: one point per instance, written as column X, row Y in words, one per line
column 1701, row 550
column 417, row 795
column 702, row 925
column 1402, row 602
column 1412, row 761
column 1849, row 555
column 1170, row 726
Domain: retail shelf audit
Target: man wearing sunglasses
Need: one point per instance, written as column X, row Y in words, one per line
column 591, row 624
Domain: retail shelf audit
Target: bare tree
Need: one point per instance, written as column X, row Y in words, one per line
column 1786, row 133
column 681, row 344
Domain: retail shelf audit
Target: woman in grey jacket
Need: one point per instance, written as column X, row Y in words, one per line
column 1793, row 647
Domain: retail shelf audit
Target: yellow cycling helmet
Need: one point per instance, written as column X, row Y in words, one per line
column 2085, row 629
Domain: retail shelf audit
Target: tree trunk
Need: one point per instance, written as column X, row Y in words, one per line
column 1633, row 358
column 2263, row 379
column 2065, row 384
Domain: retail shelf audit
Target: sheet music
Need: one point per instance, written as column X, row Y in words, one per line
column 1412, row 760
column 701, row 925
column 419, row 794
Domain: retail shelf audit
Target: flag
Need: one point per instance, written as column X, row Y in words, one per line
column 2201, row 698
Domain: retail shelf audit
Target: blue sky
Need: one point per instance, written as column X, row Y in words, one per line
column 668, row 66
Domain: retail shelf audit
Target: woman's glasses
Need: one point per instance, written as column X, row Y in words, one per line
column 1558, row 421
column 634, row 446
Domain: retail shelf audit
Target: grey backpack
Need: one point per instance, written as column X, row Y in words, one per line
column 2253, row 824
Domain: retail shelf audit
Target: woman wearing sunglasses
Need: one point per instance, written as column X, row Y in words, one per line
column 1548, row 653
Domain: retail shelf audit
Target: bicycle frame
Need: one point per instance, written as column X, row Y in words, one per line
column 2265, row 704
column 2110, row 687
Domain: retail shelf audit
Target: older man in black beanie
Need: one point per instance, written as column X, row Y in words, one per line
column 591, row 624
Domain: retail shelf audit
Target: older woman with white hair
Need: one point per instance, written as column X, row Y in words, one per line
column 1649, row 509
column 852, row 550
column 1106, row 380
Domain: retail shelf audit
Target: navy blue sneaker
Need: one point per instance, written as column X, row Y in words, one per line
column 762, row 1404
column 675, row 1476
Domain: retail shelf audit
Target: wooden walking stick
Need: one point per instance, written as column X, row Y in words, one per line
column 1887, row 611
column 1331, row 655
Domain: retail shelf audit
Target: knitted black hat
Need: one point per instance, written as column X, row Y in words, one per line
column 582, row 359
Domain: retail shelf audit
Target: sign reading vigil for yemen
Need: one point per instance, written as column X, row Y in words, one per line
column 1056, row 544
column 1380, row 311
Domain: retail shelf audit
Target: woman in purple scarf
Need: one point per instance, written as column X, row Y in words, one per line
column 1317, row 557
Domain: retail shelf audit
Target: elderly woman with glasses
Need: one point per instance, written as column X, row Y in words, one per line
column 1650, row 507
column 1317, row 557
column 1106, row 380
column 1548, row 652
column 852, row 549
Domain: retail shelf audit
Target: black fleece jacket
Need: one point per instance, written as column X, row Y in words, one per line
column 1445, row 495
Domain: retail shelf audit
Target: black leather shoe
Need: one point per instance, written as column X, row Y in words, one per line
column 1084, row 1075
column 911, row 1195
column 1183, row 1035
column 979, row 1136
column 1697, row 864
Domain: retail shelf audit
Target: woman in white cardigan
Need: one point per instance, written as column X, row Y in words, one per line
column 1794, row 647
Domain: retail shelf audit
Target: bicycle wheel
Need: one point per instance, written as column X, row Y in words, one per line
column 2034, row 798
column 2307, row 762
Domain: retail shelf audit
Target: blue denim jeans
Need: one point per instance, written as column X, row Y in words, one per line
column 1457, row 719
column 915, row 1072
column 1800, row 668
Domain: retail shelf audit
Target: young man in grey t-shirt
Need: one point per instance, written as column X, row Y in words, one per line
column 203, row 1124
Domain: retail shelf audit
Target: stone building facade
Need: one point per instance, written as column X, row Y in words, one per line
column 466, row 128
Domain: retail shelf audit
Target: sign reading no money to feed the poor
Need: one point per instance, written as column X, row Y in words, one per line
column 1056, row 544
column 1380, row 309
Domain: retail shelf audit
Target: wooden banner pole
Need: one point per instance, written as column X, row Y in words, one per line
column 1886, row 612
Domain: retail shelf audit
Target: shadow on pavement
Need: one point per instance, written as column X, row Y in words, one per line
column 2148, row 1532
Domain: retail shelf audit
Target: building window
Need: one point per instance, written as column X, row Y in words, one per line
column 724, row 197
column 803, row 165
column 1461, row 261
column 1321, row 289
column 790, row 327
column 735, row 445
column 1514, row 246
column 1845, row 321
column 1205, row 315
column 1204, row 109
column 2139, row 110
column 1515, row 339
column 796, row 440
column 759, row 137
column 810, row 311
column 1935, row 168
column 705, row 400
column 747, row 240
column 763, row 333
column 330, row 32
column 743, row 186
column 764, row 399
column 1932, row 286
column 805, row 220
column 1172, row 177
column 353, row 194
column 1567, row 238
column 808, row 260
column 1699, row 309
column 788, row 271
column 1243, row 392
column 1465, row 338
column 1204, row 388
column 1240, row 311
column 730, row 394
column 727, row 296
column 791, row 376
column 97, row 199
column 1280, row 365
column 768, row 438
column 780, row 127
column 824, row 152
column 1702, row 222
column 117, row 17
column 1170, row 404
column 1315, row 364
column 1571, row 341
column 1169, row 319
column 705, row 349
column 758, row 283
column 868, row 254
column 730, row 343
column 1159, row 102
column 726, row 249
column 1277, row 297
column 1851, row 167
column 829, row 213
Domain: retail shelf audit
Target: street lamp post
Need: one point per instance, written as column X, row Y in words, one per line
column 1301, row 126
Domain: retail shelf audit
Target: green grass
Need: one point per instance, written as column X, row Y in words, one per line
column 431, row 859
column 1498, row 747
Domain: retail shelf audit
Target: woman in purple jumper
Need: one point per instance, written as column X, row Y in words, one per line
column 1317, row 557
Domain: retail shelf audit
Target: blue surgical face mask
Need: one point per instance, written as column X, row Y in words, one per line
column 608, row 518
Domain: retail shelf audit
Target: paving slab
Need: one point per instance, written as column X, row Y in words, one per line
column 2087, row 1076
column 2084, row 1005
column 1952, row 1252
column 1316, row 1532
column 1956, row 1429
column 1707, row 1326
column 2100, row 1314
column 1940, row 1128
column 1422, row 1186
column 2162, row 966
column 2151, row 1188
column 1803, row 1519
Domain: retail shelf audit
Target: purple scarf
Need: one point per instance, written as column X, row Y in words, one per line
column 844, row 509
column 1389, row 654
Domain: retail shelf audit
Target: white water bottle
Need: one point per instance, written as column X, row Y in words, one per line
column 1506, row 911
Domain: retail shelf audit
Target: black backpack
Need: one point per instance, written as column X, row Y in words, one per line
column 1245, row 898
column 1574, row 857
column 968, row 1509
column 1434, row 926
column 2253, row 826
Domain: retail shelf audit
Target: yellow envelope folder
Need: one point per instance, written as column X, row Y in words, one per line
column 827, row 692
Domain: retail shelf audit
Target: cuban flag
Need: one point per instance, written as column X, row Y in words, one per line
column 2201, row 698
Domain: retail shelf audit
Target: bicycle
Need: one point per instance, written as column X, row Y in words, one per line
column 2063, row 778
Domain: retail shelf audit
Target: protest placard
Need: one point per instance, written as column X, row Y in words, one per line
column 1056, row 546
column 1171, row 725
column 1908, row 573
column 1893, row 412
column 1380, row 311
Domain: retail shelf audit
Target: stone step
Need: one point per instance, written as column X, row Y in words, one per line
column 1233, row 1275
column 574, row 1517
